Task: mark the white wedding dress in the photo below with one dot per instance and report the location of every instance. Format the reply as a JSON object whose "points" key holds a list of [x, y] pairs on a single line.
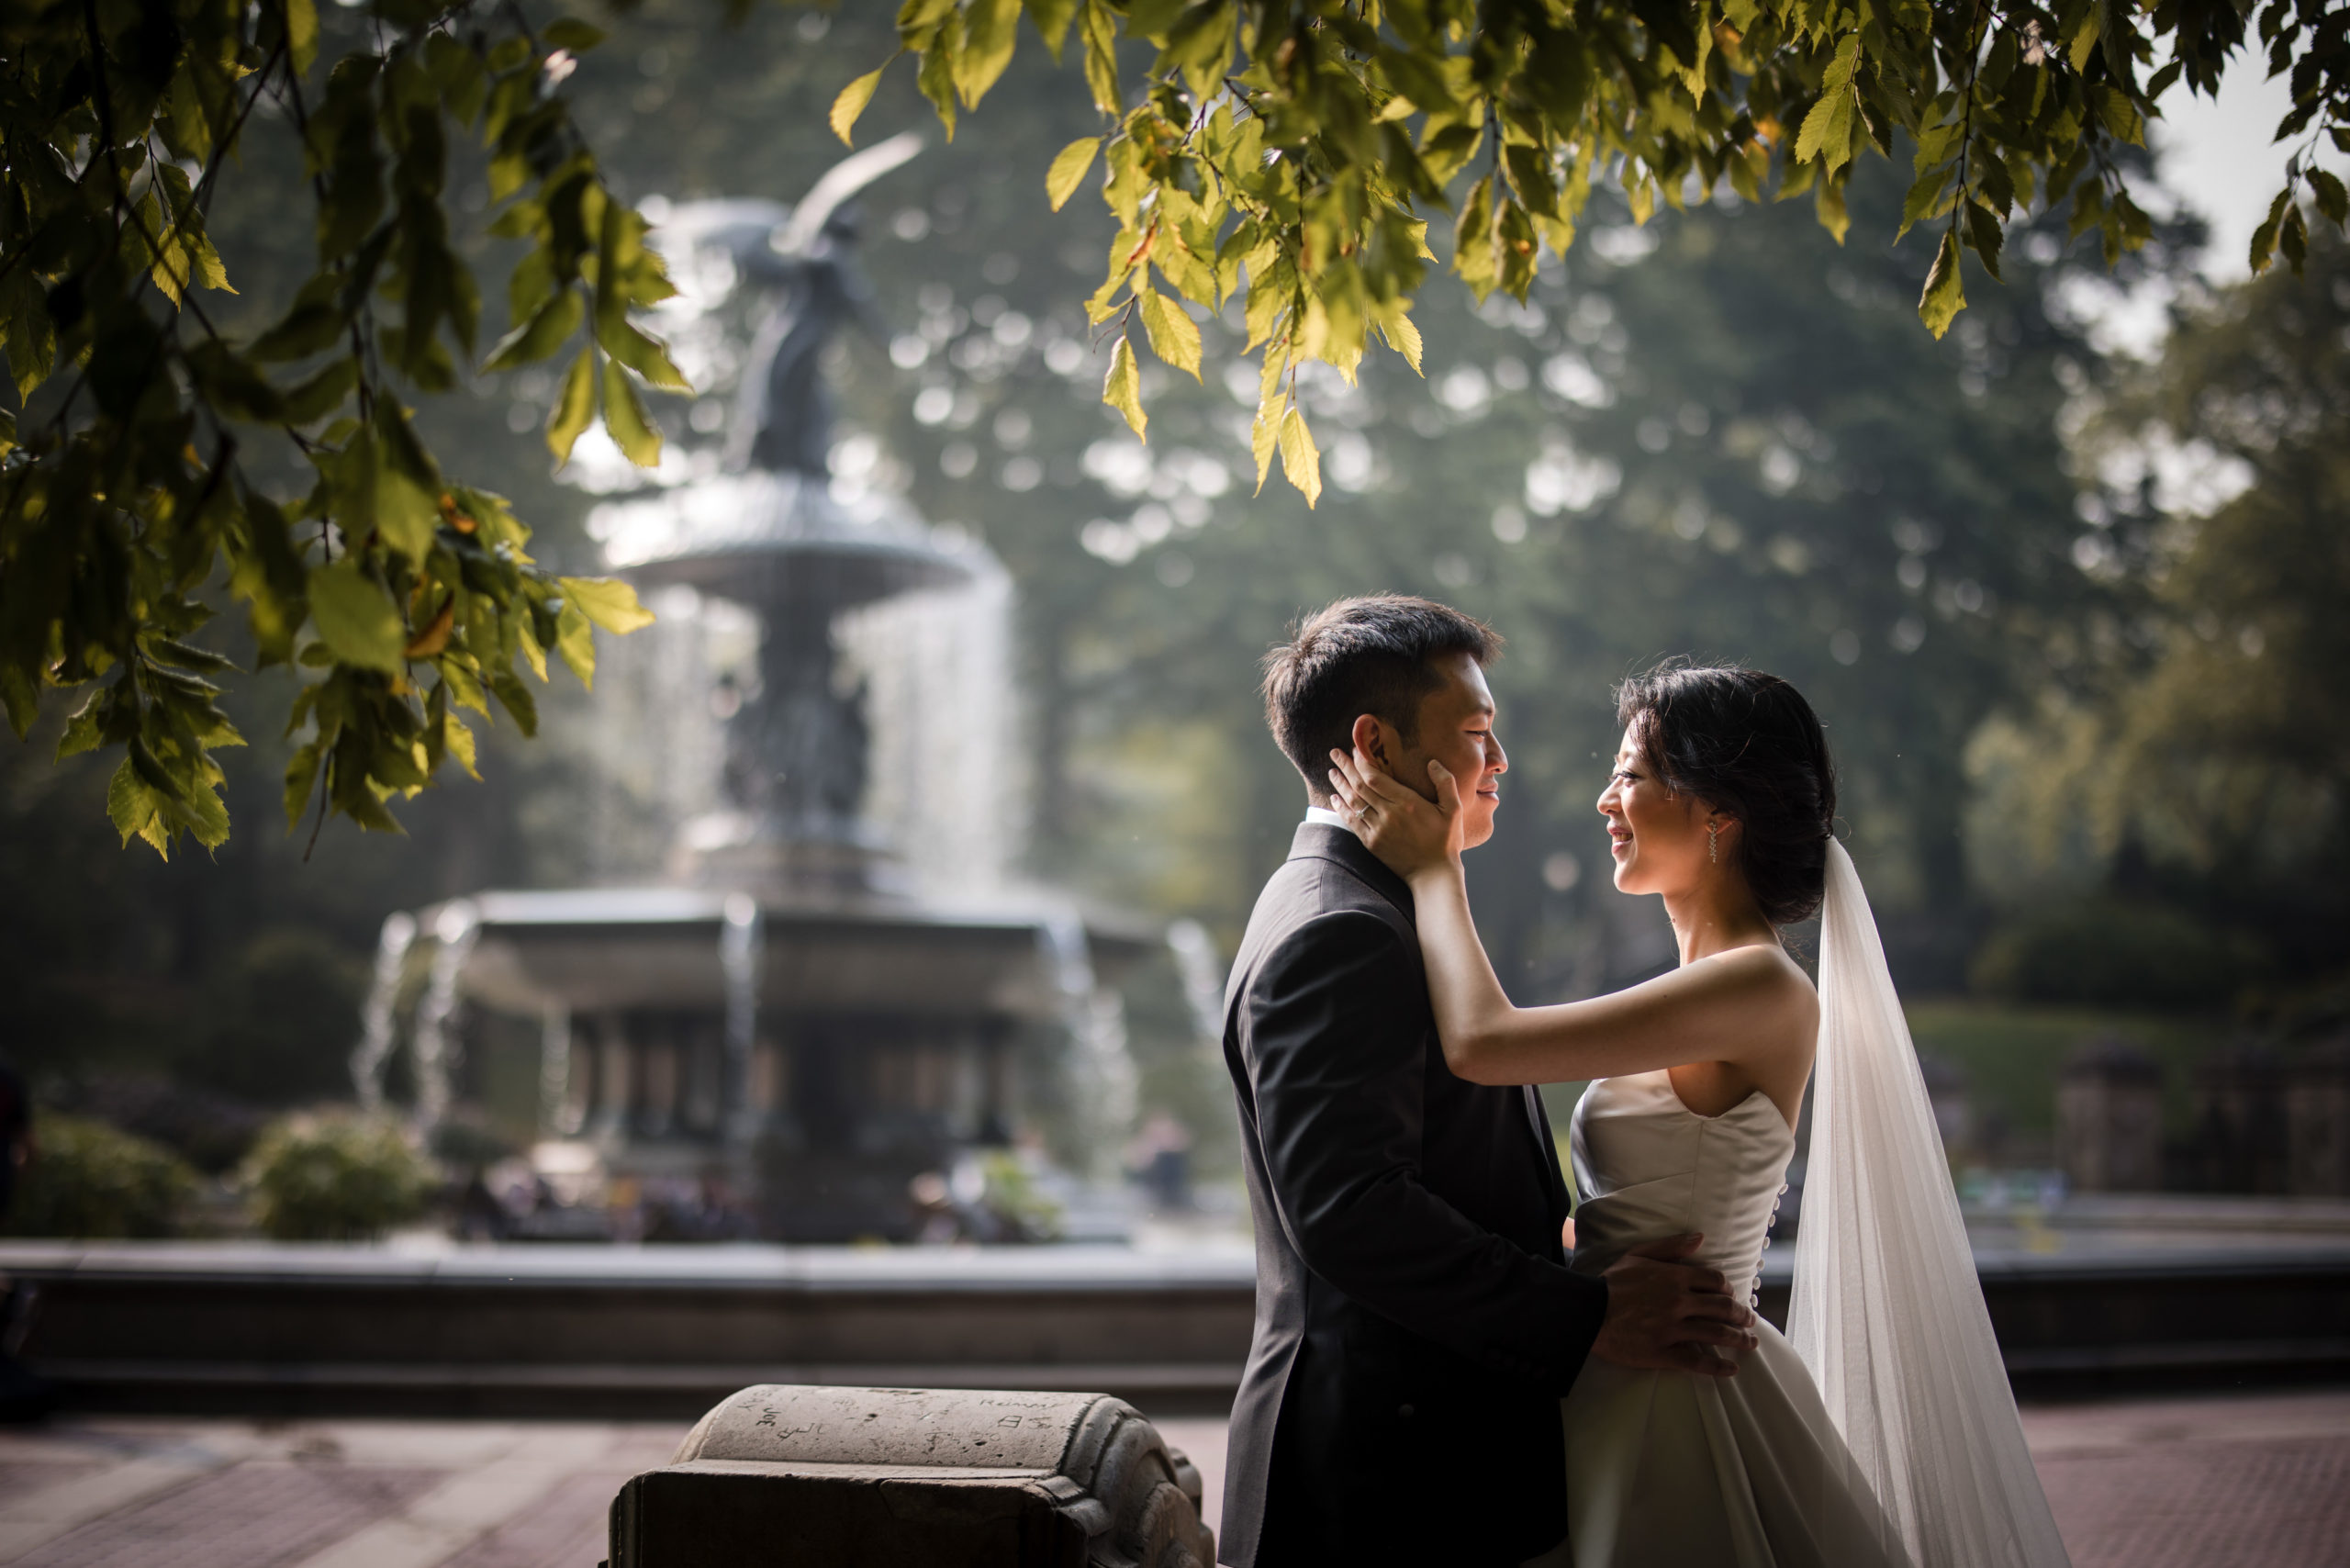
{"points": [[1879, 1431], [1666, 1469]]}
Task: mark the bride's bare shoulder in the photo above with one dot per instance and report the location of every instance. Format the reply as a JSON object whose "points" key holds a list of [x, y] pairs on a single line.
{"points": [[1765, 972]]}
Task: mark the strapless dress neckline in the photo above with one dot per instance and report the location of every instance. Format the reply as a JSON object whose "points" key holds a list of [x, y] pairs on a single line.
{"points": [[1648, 1167]]}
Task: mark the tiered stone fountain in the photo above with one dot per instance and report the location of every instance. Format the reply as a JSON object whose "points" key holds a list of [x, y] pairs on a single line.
{"points": [[786, 1014]]}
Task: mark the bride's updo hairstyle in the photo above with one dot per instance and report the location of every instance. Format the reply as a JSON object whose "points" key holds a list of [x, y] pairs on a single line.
{"points": [[1750, 746]]}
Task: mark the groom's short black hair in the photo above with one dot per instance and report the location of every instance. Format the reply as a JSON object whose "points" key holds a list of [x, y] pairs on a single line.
{"points": [[1373, 655]]}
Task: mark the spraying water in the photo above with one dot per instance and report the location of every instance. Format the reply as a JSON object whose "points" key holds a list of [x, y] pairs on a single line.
{"points": [[1102, 1069], [1202, 974], [945, 784], [378, 1020], [457, 927]]}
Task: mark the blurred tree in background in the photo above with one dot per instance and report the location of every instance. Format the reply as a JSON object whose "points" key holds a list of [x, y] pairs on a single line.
{"points": [[2202, 755]]}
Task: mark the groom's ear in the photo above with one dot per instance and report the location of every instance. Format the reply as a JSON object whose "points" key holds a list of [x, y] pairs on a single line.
{"points": [[1370, 738]]}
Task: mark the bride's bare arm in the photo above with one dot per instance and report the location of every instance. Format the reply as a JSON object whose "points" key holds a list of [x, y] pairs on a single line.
{"points": [[1740, 1006], [1732, 1007]]}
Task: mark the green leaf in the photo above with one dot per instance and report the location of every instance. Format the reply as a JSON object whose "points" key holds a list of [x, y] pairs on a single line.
{"points": [[2263, 239], [1925, 199], [1403, 334], [1069, 167], [132, 804], [1300, 461], [1984, 234], [1944, 298], [852, 101], [574, 406], [406, 501], [1828, 204], [541, 335], [2332, 200], [19, 696], [84, 731], [644, 354], [1099, 30], [322, 394], [301, 781], [1051, 19], [624, 417], [514, 697], [357, 618], [934, 79], [2293, 239], [990, 29], [457, 737], [607, 601], [302, 33], [1174, 336], [575, 641], [1122, 388], [1826, 131]]}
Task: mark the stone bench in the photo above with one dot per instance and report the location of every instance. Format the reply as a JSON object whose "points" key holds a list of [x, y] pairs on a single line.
{"points": [[940, 1478]]}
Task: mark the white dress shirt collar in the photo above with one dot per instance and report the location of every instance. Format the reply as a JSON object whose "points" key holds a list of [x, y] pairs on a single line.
{"points": [[1327, 818]]}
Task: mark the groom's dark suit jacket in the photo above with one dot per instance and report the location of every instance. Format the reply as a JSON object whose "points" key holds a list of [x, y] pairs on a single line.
{"points": [[1415, 1319]]}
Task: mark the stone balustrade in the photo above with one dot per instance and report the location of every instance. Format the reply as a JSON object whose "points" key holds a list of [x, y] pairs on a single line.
{"points": [[923, 1478]]}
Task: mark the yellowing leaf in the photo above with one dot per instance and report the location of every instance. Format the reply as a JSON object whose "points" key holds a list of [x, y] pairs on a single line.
{"points": [[302, 33], [608, 601], [1944, 298], [852, 101], [575, 639], [1403, 334], [574, 406], [1051, 19], [1827, 128], [1263, 435], [1174, 336], [1069, 167], [1122, 388], [356, 618], [1300, 461], [624, 417], [135, 808], [458, 737], [990, 27], [1099, 31]]}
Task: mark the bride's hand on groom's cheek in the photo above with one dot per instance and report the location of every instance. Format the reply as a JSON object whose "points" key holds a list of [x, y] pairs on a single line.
{"points": [[1400, 827]]}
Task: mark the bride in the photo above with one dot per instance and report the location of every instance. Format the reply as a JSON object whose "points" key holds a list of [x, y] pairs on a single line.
{"points": [[1879, 1430]]}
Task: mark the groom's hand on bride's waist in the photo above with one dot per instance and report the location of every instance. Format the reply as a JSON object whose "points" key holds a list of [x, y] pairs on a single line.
{"points": [[1665, 1313]]}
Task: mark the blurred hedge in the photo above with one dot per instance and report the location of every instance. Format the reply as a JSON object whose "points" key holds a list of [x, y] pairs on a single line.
{"points": [[334, 1179], [2109, 953], [92, 1182]]}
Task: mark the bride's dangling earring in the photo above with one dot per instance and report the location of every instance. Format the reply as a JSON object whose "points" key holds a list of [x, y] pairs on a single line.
{"points": [[1713, 843]]}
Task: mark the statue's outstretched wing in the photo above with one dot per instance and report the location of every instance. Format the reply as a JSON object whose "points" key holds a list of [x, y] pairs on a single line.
{"points": [[839, 182]]}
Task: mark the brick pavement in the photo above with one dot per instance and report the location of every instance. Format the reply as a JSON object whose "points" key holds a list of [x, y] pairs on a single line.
{"points": [[2228, 1481]]}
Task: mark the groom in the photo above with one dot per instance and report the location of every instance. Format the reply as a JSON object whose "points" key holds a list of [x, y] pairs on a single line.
{"points": [[1417, 1322]]}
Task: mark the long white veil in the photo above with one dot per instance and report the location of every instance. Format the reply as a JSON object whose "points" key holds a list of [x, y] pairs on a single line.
{"points": [[1886, 1311]]}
